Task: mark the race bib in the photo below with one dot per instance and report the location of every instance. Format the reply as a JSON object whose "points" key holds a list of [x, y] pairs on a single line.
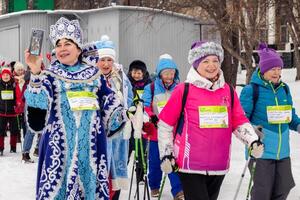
{"points": [[213, 117], [161, 105], [279, 114], [7, 94], [82, 100]]}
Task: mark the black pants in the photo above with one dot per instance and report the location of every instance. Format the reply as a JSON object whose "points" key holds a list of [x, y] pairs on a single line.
{"points": [[201, 187], [13, 127], [273, 179]]}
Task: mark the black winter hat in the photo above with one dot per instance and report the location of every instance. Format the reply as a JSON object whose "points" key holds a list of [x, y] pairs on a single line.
{"points": [[138, 64]]}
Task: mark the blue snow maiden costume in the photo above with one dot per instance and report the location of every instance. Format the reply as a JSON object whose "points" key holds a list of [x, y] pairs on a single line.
{"points": [[81, 112]]}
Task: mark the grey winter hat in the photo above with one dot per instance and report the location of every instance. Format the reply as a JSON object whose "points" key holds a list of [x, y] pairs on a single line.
{"points": [[202, 49]]}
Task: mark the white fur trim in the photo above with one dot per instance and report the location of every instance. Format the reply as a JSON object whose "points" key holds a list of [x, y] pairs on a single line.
{"points": [[196, 79]]}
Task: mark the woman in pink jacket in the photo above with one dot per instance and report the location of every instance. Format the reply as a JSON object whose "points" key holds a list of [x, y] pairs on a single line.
{"points": [[211, 114]]}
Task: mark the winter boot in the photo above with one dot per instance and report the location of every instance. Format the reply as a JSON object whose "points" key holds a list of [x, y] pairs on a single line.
{"points": [[1, 152], [13, 143], [179, 196], [26, 158], [1, 142], [13, 149], [36, 152]]}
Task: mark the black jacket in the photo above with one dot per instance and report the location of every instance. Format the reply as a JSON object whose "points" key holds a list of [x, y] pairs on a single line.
{"points": [[7, 107]]}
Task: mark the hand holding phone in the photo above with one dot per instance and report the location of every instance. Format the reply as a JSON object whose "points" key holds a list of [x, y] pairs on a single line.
{"points": [[36, 41]]}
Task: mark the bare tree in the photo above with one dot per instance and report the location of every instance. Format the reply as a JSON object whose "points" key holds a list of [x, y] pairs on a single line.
{"points": [[235, 20], [292, 9]]}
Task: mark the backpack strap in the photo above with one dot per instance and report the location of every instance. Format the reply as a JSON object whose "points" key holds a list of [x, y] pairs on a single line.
{"points": [[254, 97], [152, 90], [181, 118], [231, 95]]}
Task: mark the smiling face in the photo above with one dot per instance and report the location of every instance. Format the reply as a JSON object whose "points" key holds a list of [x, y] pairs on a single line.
{"points": [[105, 64], [19, 71], [209, 67], [167, 76], [5, 77], [273, 74], [137, 74], [67, 52]]}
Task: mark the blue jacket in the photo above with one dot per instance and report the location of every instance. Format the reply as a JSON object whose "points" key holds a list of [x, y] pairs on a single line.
{"points": [[276, 136]]}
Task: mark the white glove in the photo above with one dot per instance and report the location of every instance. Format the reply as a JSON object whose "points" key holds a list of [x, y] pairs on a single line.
{"points": [[168, 164], [256, 149], [137, 121]]}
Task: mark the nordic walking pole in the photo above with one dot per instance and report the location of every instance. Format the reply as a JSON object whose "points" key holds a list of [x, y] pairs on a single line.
{"points": [[241, 179], [251, 179], [146, 188], [252, 170], [131, 180], [162, 186]]}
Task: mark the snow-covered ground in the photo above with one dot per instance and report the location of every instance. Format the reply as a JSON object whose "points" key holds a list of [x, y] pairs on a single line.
{"points": [[17, 180]]}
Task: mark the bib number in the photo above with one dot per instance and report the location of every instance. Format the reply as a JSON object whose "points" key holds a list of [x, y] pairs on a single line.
{"points": [[213, 117], [82, 100]]}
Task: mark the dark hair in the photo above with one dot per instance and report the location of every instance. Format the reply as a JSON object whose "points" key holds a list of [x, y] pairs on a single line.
{"points": [[70, 40]]}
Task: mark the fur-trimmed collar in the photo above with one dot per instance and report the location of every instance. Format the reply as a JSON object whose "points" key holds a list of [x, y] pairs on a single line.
{"points": [[196, 79]]}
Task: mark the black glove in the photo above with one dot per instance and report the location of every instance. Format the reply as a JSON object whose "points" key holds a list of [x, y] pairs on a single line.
{"points": [[154, 119], [256, 149]]}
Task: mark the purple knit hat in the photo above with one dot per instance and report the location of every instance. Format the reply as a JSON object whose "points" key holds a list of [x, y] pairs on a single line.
{"points": [[268, 58], [201, 49]]}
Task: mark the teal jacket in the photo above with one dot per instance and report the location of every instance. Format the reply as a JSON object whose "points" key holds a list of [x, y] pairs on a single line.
{"points": [[276, 136]]}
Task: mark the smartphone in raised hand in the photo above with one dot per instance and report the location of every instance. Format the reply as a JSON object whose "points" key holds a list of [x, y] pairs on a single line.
{"points": [[36, 41]]}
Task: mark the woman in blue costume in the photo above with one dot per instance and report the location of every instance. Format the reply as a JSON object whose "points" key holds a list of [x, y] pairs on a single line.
{"points": [[81, 112]]}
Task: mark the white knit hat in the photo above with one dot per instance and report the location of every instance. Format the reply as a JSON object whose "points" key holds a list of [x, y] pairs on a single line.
{"points": [[18, 65]]}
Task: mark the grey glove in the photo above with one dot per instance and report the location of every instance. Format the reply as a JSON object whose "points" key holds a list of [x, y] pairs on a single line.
{"points": [[168, 164]]}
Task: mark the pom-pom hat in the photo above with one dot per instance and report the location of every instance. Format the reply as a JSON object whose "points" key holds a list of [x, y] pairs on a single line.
{"points": [[106, 48], [201, 49], [268, 58]]}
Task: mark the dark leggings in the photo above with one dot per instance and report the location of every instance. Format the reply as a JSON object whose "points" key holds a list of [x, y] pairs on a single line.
{"points": [[201, 187]]}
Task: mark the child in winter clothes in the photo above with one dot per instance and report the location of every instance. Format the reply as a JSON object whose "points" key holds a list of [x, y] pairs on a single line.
{"points": [[273, 110], [202, 149], [8, 113], [139, 78], [117, 147], [154, 101]]}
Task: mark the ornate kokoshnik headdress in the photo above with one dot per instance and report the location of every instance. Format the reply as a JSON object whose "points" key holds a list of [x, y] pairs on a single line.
{"points": [[65, 28]]}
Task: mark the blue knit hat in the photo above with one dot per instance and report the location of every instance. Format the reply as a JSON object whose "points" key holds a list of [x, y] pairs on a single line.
{"points": [[165, 62], [268, 58]]}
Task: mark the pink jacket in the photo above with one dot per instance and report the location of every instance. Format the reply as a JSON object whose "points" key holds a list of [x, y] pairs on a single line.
{"points": [[203, 150]]}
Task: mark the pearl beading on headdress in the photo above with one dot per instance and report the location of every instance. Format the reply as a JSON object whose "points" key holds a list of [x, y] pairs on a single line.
{"points": [[65, 28]]}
